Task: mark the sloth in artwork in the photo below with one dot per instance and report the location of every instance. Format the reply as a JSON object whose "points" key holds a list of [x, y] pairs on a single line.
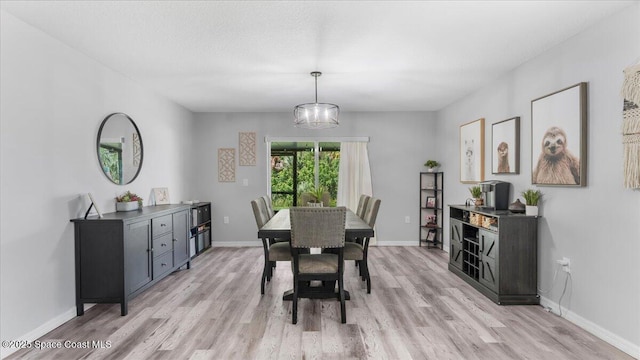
{"points": [[503, 158], [556, 165]]}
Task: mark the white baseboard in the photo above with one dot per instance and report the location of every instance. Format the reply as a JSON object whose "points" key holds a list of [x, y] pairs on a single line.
{"points": [[259, 243], [604, 334], [236, 243], [397, 243], [44, 329]]}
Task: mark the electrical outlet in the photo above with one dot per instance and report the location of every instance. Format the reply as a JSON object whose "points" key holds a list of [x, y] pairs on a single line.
{"points": [[407, 219], [565, 262], [225, 220]]}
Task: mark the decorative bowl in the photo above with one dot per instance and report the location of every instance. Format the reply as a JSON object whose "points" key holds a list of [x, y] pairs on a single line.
{"points": [[127, 206]]}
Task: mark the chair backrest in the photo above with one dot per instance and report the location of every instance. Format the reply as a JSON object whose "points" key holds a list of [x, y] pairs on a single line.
{"points": [[318, 227], [260, 212], [371, 213], [362, 205], [304, 199], [326, 199], [269, 204]]}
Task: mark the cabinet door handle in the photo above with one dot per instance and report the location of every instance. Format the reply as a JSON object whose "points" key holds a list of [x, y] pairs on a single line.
{"points": [[175, 239], [163, 244], [163, 225], [163, 264]]}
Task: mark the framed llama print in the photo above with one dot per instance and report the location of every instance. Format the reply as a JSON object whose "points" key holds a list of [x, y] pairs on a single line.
{"points": [[559, 137], [472, 152], [505, 146]]}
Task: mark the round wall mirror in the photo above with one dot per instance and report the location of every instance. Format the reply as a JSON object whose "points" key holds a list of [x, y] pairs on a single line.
{"points": [[119, 148]]}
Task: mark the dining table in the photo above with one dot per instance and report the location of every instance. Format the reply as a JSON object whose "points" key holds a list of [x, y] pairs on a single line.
{"points": [[279, 226]]}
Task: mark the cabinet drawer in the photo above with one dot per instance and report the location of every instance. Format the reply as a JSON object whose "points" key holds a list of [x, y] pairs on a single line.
{"points": [[162, 264], [162, 244], [161, 225]]}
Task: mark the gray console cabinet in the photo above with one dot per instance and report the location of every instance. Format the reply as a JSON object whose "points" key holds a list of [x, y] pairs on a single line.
{"points": [[498, 257], [455, 243], [122, 254]]}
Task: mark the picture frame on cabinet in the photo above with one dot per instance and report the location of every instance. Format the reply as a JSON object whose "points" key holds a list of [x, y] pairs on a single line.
{"points": [[472, 152], [431, 202], [161, 196], [559, 137], [94, 205], [505, 146]]}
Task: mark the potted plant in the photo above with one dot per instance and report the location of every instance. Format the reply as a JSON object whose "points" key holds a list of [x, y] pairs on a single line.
{"points": [[432, 165], [476, 194], [531, 198], [129, 201], [317, 193]]}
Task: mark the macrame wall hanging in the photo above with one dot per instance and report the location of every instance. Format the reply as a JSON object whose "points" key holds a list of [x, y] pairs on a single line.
{"points": [[631, 126]]}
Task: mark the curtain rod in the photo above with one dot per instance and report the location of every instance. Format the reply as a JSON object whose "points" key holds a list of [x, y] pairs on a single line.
{"points": [[314, 138]]}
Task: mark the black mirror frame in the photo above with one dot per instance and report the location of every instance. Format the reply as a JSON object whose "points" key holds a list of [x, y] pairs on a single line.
{"points": [[98, 146]]}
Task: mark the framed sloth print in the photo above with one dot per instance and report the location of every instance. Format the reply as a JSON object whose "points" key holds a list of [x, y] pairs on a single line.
{"points": [[559, 138]]}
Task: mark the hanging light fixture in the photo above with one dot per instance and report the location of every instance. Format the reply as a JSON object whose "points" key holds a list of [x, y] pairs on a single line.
{"points": [[316, 115]]}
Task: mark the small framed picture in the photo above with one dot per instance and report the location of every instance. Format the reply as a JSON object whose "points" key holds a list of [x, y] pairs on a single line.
{"points": [[161, 196], [95, 206], [431, 235], [505, 146], [431, 202]]}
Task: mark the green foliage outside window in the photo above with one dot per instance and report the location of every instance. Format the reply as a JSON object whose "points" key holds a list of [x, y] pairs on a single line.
{"points": [[282, 180], [110, 161]]}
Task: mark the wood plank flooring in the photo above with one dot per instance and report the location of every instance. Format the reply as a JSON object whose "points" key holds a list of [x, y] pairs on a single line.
{"points": [[417, 310]]}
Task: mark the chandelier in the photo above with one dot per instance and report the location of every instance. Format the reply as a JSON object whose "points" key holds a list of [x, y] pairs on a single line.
{"points": [[316, 115]]}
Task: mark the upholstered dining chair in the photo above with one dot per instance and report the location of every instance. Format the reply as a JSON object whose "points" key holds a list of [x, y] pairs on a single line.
{"points": [[269, 204], [317, 227], [358, 251], [362, 205], [273, 251]]}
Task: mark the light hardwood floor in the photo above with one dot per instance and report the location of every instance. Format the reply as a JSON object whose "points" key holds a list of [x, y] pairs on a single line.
{"points": [[417, 310]]}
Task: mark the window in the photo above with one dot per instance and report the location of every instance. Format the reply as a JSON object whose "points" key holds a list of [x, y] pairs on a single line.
{"points": [[299, 167]]}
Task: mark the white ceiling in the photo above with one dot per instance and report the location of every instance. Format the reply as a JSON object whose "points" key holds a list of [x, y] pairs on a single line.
{"points": [[237, 56]]}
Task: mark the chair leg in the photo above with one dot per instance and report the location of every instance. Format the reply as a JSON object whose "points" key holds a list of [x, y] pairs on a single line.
{"points": [[294, 305], [343, 310], [272, 265], [264, 278], [365, 267]]}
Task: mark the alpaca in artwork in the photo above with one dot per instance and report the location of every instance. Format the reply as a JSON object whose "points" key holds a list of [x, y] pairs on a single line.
{"points": [[556, 165], [469, 161], [503, 158]]}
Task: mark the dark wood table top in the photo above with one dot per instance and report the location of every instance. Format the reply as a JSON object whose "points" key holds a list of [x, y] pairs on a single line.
{"points": [[280, 227]]}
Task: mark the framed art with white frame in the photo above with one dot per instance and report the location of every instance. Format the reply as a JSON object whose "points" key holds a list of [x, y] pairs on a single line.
{"points": [[472, 152], [161, 196], [559, 137], [505, 146], [94, 204]]}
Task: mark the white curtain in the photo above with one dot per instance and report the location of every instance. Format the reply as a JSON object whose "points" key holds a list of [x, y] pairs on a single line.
{"points": [[354, 177]]}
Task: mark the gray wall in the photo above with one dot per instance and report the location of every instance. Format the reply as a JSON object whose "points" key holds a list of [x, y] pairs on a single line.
{"points": [[597, 226], [53, 101], [400, 142]]}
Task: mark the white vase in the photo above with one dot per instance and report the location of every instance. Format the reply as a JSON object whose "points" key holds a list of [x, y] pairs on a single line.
{"points": [[126, 206], [531, 210], [432, 169]]}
